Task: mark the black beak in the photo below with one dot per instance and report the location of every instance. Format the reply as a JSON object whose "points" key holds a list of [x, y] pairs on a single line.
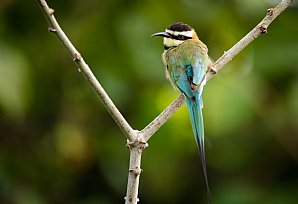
{"points": [[162, 34]]}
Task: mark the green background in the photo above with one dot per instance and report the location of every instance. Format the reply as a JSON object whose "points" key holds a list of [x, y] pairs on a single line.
{"points": [[58, 144]]}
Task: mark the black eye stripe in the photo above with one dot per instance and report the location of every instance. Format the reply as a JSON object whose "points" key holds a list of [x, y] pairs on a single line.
{"points": [[179, 37]]}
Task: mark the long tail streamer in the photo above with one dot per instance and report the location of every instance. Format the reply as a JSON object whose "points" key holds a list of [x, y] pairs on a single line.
{"points": [[195, 110]]}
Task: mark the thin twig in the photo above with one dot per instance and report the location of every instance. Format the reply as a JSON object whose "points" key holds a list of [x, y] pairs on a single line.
{"points": [[84, 68], [151, 128], [261, 28]]}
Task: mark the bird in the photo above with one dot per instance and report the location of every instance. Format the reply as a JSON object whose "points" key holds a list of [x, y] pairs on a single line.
{"points": [[186, 61]]}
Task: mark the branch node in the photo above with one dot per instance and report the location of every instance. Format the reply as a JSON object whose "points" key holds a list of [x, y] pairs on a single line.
{"points": [[51, 11], [78, 57], [130, 144], [136, 171], [52, 30], [130, 200], [263, 28], [212, 70], [270, 11], [137, 143]]}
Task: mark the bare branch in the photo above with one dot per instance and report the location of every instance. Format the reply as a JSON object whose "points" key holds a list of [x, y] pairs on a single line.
{"points": [[136, 149], [261, 28], [79, 61], [150, 129]]}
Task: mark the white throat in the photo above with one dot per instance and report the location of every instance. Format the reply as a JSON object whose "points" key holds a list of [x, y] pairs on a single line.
{"points": [[168, 42]]}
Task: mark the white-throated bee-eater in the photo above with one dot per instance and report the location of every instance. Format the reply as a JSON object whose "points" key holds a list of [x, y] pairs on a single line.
{"points": [[186, 60]]}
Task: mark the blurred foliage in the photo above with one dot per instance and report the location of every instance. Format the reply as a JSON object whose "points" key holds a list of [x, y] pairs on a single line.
{"points": [[58, 144]]}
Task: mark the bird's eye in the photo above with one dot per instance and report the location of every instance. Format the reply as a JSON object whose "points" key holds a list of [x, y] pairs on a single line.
{"points": [[181, 37]]}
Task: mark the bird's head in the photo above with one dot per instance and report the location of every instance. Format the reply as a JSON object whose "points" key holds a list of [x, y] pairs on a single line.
{"points": [[176, 34]]}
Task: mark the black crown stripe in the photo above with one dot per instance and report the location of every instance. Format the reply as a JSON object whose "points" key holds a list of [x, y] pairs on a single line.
{"points": [[179, 26]]}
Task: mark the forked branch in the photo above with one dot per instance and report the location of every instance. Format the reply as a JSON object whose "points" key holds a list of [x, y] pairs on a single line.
{"points": [[137, 140]]}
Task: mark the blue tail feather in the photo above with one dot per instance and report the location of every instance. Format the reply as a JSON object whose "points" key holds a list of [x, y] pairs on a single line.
{"points": [[195, 106]]}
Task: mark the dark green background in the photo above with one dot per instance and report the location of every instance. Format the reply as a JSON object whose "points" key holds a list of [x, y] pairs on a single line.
{"points": [[58, 144]]}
